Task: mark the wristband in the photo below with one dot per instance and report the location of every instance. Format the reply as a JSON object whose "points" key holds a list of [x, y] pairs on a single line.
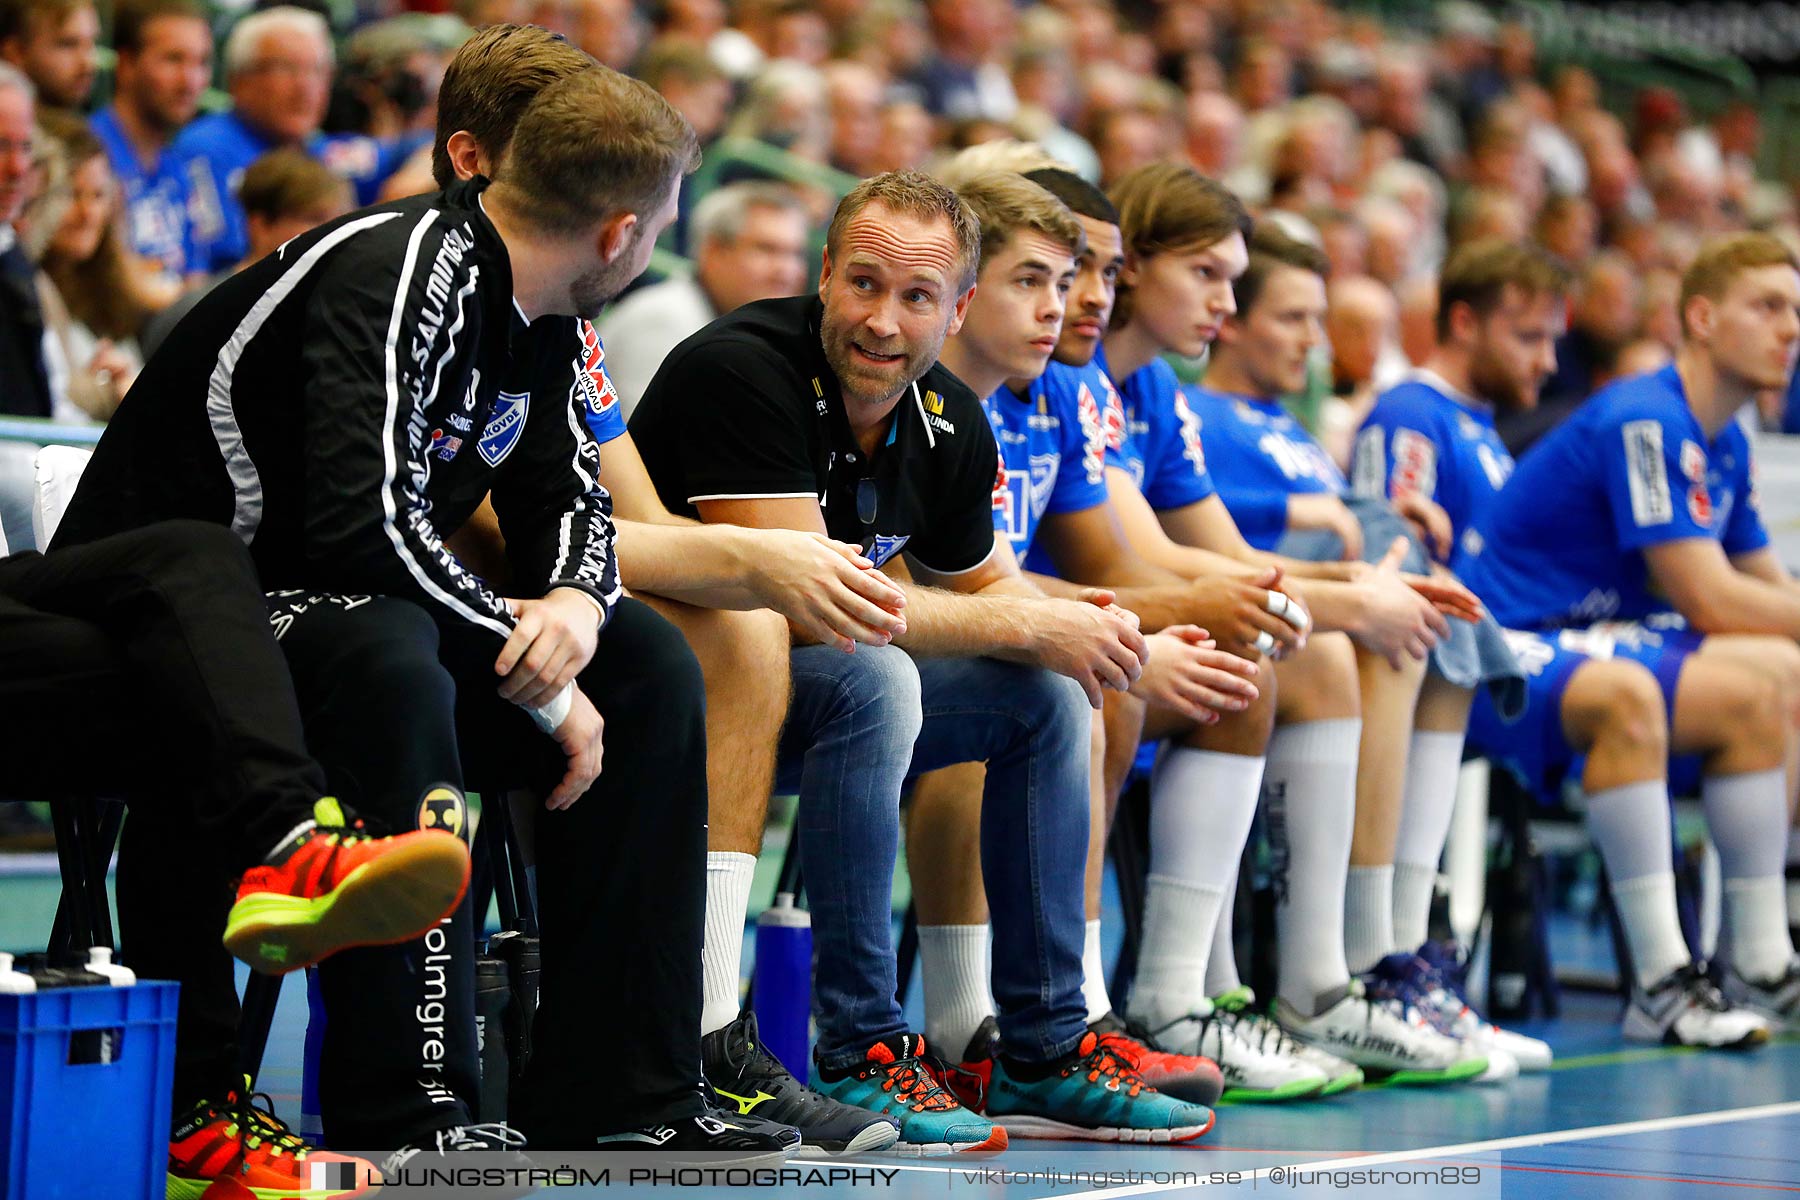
{"points": [[549, 717], [1284, 606], [1264, 643]]}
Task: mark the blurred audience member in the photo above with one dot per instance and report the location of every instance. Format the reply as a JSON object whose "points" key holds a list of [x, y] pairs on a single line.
{"points": [[750, 244], [278, 70], [965, 78], [53, 42], [1603, 319], [27, 382], [284, 194], [98, 293]]}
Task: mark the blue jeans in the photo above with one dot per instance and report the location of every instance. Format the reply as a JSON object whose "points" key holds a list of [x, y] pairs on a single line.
{"points": [[861, 724]]}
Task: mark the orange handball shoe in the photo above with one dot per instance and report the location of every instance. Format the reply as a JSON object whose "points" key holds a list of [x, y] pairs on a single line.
{"points": [[331, 886], [216, 1146]]}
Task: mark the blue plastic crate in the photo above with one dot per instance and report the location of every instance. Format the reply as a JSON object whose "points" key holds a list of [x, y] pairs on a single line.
{"points": [[85, 1078]]}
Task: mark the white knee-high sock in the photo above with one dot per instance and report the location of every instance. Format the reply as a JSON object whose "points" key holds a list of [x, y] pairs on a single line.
{"points": [[1368, 916], [953, 961], [1432, 765], [1093, 975], [1221, 964], [1747, 817], [728, 877], [1310, 789], [1201, 806], [1630, 826]]}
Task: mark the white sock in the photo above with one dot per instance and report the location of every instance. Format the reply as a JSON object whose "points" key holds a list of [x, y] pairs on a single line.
{"points": [[1093, 975], [1793, 887], [1433, 763], [1221, 964], [1368, 917], [953, 961], [1201, 806], [1747, 818], [1309, 786], [1760, 945], [728, 877], [1630, 826]]}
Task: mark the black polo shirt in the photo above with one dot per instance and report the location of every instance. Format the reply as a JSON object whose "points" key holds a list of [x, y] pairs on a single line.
{"points": [[748, 408]]}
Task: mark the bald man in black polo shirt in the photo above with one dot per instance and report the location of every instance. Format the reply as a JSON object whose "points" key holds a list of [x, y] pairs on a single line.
{"points": [[830, 414]]}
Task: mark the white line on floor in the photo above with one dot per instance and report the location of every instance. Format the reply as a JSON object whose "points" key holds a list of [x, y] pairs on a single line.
{"points": [[1550, 1138]]}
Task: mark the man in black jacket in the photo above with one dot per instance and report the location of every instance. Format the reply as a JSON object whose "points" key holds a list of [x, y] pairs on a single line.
{"points": [[341, 404]]}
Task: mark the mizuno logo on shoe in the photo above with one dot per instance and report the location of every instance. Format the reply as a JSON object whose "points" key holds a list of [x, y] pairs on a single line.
{"points": [[745, 1103]]}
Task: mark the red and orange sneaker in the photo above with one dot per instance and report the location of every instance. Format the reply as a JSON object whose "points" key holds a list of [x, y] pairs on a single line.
{"points": [[240, 1141], [330, 886], [1191, 1077], [968, 1078]]}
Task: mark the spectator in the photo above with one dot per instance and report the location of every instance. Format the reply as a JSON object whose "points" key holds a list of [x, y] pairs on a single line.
{"points": [[696, 85], [1604, 318], [1569, 228], [750, 244], [964, 78], [26, 391], [905, 137], [99, 294], [856, 91], [610, 30], [53, 43], [1361, 324], [284, 194], [165, 54], [278, 69], [1215, 134]]}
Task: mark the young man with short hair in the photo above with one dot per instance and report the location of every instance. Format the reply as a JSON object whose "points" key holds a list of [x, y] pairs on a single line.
{"points": [[1633, 531], [334, 404], [164, 63]]}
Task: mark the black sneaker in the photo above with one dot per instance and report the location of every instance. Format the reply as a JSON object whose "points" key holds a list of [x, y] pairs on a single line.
{"points": [[745, 1076], [417, 1171], [716, 1138]]}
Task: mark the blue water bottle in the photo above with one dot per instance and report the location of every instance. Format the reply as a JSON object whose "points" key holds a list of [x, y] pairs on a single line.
{"points": [[784, 957], [312, 1127]]}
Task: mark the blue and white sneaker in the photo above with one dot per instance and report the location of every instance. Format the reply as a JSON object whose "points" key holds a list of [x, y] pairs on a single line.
{"points": [[1092, 1095], [1445, 989]]}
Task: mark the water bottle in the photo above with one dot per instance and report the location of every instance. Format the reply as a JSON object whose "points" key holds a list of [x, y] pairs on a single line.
{"points": [[784, 957], [14, 983], [312, 1125], [493, 1009], [100, 963]]}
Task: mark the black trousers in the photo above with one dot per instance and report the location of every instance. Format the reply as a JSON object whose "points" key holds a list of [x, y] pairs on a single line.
{"points": [[140, 666], [393, 704]]}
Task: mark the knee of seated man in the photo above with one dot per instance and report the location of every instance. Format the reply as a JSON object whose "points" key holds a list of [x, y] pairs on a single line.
{"points": [[213, 550], [739, 648], [1052, 705], [880, 678], [1622, 703], [391, 647]]}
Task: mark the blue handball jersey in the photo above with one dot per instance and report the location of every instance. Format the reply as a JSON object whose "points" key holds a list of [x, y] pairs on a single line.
{"points": [[1154, 436], [1563, 544], [1423, 437], [1053, 450], [1260, 456], [155, 198]]}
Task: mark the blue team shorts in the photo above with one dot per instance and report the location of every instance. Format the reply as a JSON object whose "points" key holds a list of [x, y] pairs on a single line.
{"points": [[1532, 746]]}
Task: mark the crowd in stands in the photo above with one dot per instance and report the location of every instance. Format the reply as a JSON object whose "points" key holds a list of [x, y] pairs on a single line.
{"points": [[1266, 296]]}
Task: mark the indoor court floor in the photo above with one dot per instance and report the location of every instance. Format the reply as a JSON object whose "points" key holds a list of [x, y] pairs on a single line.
{"points": [[1610, 1119]]}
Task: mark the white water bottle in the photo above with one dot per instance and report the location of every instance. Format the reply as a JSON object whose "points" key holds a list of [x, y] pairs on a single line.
{"points": [[14, 983], [100, 963]]}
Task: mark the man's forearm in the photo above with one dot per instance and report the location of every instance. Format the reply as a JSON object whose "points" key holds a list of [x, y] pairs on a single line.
{"points": [[704, 565], [1336, 607], [995, 622], [1747, 605]]}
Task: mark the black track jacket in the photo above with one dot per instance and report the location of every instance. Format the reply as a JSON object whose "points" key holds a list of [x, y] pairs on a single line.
{"points": [[352, 396]]}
